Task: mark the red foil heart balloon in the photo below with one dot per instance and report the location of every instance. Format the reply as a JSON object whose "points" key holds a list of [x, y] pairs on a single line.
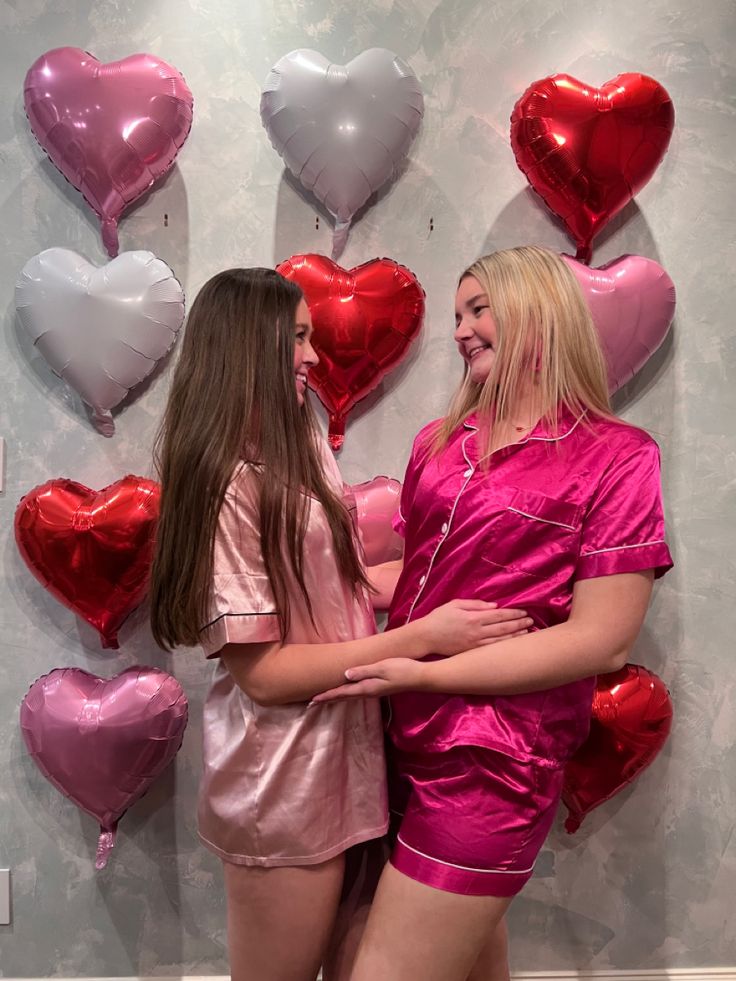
{"points": [[588, 151], [91, 549], [364, 321], [102, 743], [632, 717], [111, 129]]}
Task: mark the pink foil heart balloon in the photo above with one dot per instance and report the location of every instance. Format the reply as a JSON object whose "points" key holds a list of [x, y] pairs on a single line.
{"points": [[632, 301], [376, 502], [111, 129], [103, 743]]}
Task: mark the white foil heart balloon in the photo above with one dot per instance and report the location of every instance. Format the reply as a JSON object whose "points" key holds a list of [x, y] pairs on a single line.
{"points": [[342, 130], [104, 329]]}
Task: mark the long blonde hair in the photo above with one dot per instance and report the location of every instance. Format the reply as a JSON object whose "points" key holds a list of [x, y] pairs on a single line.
{"points": [[543, 326]]}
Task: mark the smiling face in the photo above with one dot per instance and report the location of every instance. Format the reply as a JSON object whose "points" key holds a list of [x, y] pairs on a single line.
{"points": [[476, 335], [305, 357]]}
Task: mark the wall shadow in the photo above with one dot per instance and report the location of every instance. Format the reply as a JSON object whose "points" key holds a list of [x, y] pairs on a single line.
{"points": [[302, 222]]}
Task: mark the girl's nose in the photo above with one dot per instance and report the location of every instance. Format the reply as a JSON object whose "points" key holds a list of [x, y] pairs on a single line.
{"points": [[462, 331], [310, 355]]}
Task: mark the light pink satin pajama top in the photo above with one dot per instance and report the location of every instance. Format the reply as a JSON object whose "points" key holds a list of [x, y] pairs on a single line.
{"points": [[285, 785]]}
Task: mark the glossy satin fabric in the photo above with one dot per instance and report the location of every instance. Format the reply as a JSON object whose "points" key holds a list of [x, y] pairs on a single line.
{"points": [[557, 507], [473, 820], [285, 785]]}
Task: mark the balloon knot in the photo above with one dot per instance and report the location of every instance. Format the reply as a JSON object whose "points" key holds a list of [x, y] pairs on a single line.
{"points": [[336, 432], [339, 238], [105, 844], [572, 824], [110, 236], [103, 422]]}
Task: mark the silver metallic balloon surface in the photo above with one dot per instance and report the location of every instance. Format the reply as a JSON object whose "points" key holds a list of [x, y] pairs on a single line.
{"points": [[342, 130], [102, 330]]}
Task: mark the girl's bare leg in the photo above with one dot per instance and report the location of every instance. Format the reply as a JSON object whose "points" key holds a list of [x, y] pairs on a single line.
{"points": [[363, 866], [279, 920], [415, 931], [493, 963]]}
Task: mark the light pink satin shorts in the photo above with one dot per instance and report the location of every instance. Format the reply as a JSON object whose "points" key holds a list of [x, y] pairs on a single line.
{"points": [[472, 820]]}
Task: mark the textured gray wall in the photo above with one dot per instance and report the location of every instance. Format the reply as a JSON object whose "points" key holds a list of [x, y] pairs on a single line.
{"points": [[648, 881]]}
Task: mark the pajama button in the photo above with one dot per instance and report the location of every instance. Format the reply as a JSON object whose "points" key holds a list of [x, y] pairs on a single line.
{"points": [[422, 580], [444, 528], [468, 473]]}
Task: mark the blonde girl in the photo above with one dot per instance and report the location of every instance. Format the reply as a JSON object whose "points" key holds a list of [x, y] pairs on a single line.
{"points": [[532, 493]]}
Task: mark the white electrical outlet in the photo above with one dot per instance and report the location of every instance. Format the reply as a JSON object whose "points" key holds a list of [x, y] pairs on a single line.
{"points": [[4, 895]]}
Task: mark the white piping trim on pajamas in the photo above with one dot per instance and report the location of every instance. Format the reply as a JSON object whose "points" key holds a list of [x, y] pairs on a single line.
{"points": [[661, 974], [423, 580], [536, 517], [542, 439], [464, 868], [618, 548], [556, 439]]}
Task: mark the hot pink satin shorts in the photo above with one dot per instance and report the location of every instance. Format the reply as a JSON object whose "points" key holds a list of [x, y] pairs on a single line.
{"points": [[472, 820]]}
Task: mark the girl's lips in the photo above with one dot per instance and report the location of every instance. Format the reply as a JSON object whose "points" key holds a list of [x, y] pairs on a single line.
{"points": [[477, 350]]}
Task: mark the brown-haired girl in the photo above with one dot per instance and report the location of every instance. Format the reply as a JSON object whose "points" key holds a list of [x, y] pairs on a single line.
{"points": [[256, 560], [530, 492]]}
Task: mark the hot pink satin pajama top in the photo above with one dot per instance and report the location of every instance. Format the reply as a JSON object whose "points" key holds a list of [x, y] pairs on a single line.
{"points": [[290, 784], [550, 510]]}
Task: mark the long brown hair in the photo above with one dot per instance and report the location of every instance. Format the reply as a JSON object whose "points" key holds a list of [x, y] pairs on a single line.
{"points": [[543, 325], [233, 398]]}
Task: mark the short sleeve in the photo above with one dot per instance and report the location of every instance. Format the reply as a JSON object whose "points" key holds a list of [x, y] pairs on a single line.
{"points": [[419, 454], [623, 530], [242, 606]]}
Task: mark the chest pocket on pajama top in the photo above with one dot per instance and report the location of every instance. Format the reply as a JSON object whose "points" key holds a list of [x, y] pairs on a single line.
{"points": [[533, 533]]}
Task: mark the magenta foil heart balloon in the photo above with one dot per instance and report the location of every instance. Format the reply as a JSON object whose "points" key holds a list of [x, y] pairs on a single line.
{"points": [[111, 129], [103, 743], [632, 301]]}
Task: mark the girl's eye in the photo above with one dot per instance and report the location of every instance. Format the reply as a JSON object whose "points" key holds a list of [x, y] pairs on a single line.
{"points": [[477, 310]]}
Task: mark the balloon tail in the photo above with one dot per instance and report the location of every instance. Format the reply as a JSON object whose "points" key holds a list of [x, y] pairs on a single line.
{"points": [[336, 432], [105, 844], [103, 421], [109, 641], [572, 824], [584, 254], [339, 238], [110, 236]]}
